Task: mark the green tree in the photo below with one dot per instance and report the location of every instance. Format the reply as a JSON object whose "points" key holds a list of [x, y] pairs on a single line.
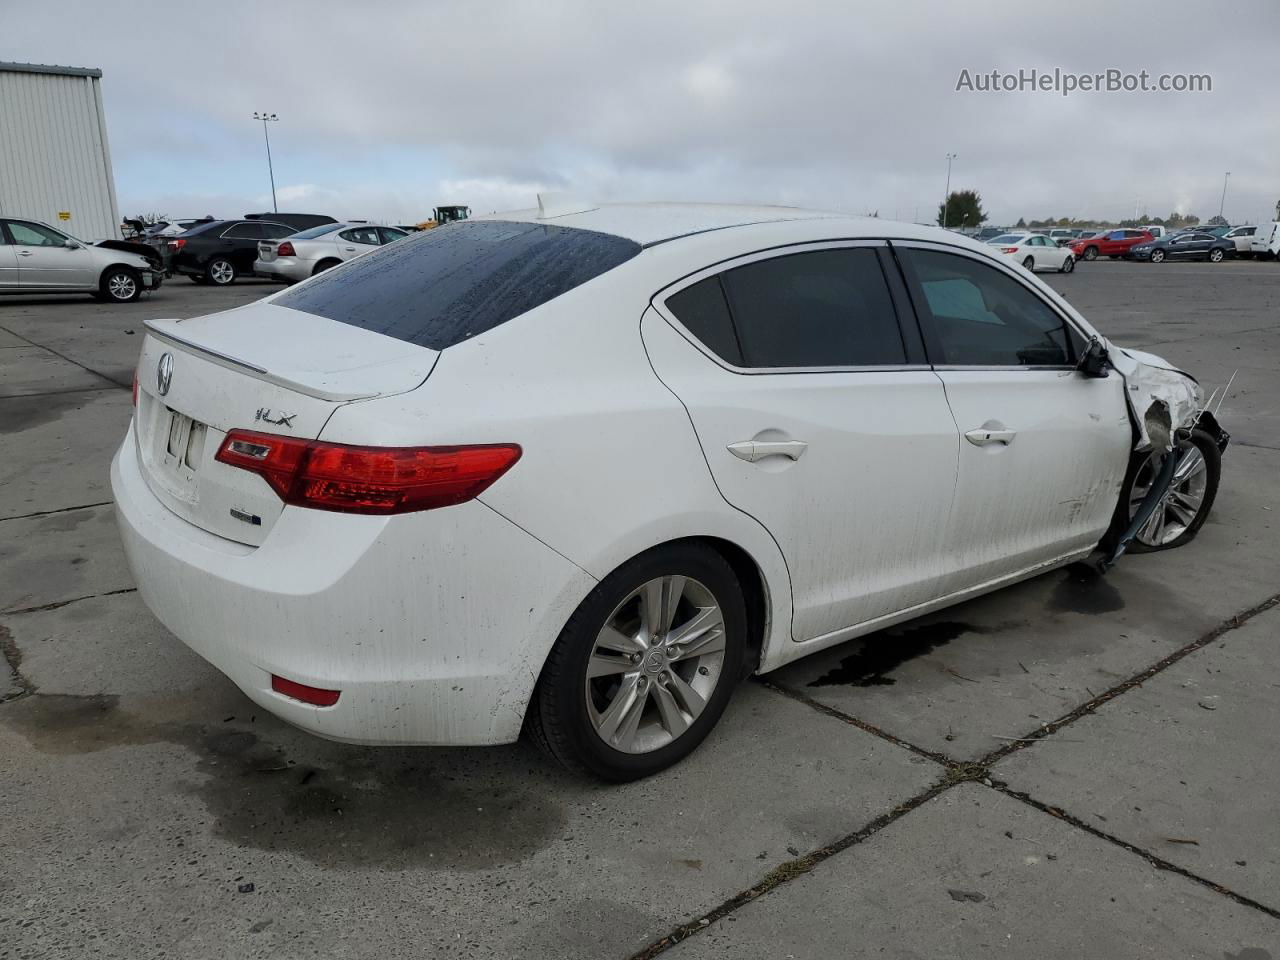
{"points": [[1021, 224], [962, 209]]}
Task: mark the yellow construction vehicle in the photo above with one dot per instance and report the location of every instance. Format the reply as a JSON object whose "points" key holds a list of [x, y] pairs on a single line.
{"points": [[442, 215]]}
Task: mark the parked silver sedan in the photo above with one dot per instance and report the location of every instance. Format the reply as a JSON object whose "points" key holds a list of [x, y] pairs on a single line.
{"points": [[313, 251]]}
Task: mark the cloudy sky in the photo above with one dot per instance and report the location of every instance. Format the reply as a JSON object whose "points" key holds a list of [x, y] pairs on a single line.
{"points": [[388, 108]]}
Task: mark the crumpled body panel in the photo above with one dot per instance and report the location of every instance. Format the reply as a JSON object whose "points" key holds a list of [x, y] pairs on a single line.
{"points": [[1161, 398]]}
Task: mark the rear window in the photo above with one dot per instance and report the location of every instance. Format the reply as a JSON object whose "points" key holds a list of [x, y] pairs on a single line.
{"points": [[317, 231], [443, 286]]}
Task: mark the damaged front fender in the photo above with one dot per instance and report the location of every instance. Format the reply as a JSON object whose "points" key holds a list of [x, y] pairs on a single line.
{"points": [[1162, 400]]}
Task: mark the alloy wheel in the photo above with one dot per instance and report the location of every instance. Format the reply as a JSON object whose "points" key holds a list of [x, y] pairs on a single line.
{"points": [[1215, 256], [1157, 256], [220, 271], [655, 664], [1181, 505], [122, 286]]}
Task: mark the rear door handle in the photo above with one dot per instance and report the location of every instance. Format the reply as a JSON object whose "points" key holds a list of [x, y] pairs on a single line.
{"points": [[987, 435], [753, 450]]}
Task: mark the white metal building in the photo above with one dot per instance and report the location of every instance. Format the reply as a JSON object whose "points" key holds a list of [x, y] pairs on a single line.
{"points": [[55, 164]]}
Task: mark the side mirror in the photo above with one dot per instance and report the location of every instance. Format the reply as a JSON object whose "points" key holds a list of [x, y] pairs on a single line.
{"points": [[70, 244], [1094, 362]]}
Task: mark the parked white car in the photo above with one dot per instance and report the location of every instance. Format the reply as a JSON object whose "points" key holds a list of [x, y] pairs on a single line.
{"points": [[38, 258], [1035, 251], [579, 470], [313, 251], [1265, 242], [1242, 236]]}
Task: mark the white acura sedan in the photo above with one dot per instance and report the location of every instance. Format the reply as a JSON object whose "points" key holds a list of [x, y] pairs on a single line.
{"points": [[1035, 251], [578, 471]]}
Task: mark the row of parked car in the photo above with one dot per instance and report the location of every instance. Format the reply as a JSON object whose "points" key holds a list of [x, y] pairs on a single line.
{"points": [[1038, 251]]}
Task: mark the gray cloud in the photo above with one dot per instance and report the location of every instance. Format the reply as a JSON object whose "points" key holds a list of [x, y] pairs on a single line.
{"points": [[821, 104]]}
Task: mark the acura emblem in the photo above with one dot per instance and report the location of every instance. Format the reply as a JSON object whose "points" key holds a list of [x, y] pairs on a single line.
{"points": [[164, 373]]}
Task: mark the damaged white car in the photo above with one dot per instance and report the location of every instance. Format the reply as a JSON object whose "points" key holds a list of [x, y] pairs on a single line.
{"points": [[578, 470]]}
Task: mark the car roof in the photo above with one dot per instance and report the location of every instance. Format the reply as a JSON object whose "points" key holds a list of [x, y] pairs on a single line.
{"points": [[650, 224]]}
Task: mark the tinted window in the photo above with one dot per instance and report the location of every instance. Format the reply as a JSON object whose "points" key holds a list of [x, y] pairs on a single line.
{"points": [[244, 231], [34, 235], [316, 231], [275, 231], [704, 311], [211, 226], [442, 286], [983, 317], [390, 234], [829, 308], [367, 235]]}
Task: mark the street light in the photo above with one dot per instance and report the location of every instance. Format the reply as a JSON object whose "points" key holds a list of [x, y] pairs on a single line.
{"points": [[268, 118], [1223, 202], [946, 194]]}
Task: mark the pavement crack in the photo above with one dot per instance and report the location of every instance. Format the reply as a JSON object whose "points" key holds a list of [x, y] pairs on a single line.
{"points": [[62, 356], [45, 513], [1156, 861], [853, 721], [790, 870], [62, 603], [13, 659], [1090, 706]]}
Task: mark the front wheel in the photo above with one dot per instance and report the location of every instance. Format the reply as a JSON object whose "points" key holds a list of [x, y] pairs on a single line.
{"points": [[120, 285], [1068, 265], [1091, 253], [1185, 508], [644, 667], [1157, 256]]}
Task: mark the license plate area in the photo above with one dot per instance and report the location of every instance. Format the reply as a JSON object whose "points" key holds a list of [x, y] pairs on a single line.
{"points": [[181, 452]]}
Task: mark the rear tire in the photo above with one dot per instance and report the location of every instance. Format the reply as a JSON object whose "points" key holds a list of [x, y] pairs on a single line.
{"points": [[1216, 256], [324, 265], [120, 285], [621, 699], [220, 272], [1091, 253], [1029, 263]]}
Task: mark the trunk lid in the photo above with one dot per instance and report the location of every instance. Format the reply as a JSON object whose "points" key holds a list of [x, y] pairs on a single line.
{"points": [[259, 367], [267, 250]]}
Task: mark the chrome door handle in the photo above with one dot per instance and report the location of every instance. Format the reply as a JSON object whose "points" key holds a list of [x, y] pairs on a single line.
{"points": [[24, 253], [348, 248], [753, 450], [983, 436]]}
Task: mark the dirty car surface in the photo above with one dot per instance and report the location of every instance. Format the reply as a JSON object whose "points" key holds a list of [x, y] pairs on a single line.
{"points": [[575, 471]]}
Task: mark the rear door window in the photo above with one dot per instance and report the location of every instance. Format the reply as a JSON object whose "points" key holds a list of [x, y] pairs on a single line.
{"points": [[826, 308], [443, 286], [244, 231], [367, 235], [704, 312]]}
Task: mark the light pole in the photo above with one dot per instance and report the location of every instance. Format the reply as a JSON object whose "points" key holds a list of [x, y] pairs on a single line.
{"points": [[268, 118], [946, 194], [1223, 202]]}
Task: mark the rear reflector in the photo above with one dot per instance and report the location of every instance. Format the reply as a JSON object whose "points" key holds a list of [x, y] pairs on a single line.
{"points": [[300, 691], [378, 480]]}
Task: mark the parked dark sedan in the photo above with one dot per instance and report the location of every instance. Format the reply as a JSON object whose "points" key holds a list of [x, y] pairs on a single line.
{"points": [[220, 251], [1185, 246]]}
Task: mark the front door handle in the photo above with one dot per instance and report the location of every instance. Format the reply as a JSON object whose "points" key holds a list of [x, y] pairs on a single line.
{"points": [[753, 450], [986, 435], [24, 253]]}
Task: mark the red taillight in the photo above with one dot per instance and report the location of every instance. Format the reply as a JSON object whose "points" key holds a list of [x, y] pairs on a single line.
{"points": [[177, 244], [286, 250], [382, 480], [300, 691], [1008, 249]]}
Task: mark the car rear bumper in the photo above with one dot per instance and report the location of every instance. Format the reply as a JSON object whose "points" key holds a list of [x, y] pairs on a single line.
{"points": [[434, 626], [284, 269]]}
